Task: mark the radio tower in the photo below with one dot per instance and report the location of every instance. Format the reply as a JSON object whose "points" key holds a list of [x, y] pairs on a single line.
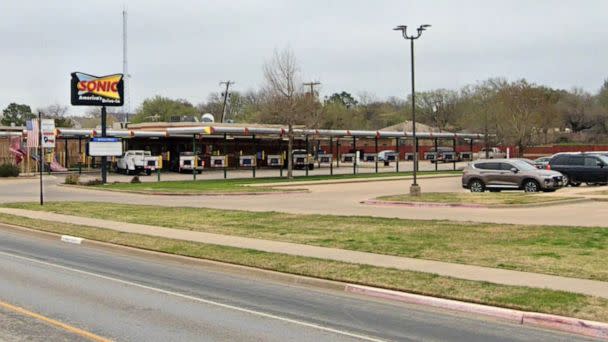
{"points": [[125, 71]]}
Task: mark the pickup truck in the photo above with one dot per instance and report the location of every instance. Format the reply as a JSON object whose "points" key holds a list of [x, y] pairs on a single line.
{"points": [[493, 153], [137, 161]]}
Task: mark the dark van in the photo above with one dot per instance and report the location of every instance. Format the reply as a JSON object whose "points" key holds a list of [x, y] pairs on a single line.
{"points": [[580, 167]]}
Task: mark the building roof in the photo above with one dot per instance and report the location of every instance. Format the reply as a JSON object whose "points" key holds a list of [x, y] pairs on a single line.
{"points": [[165, 125], [408, 126]]}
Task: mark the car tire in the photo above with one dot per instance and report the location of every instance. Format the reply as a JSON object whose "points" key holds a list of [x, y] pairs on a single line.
{"points": [[565, 180], [531, 186], [477, 185]]}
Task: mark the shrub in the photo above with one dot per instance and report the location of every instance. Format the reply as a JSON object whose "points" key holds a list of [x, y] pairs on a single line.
{"points": [[9, 170], [72, 179], [135, 180]]}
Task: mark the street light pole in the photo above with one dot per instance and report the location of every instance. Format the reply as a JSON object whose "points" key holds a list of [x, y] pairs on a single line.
{"points": [[414, 188]]}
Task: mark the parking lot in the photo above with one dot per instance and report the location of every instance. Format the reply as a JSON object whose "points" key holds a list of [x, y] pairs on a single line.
{"points": [[337, 199]]}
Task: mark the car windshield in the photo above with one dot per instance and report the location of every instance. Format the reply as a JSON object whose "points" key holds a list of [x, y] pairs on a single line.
{"points": [[604, 159], [523, 166]]}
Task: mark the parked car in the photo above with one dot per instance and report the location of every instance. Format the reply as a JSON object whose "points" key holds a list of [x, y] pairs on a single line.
{"points": [[541, 163], [137, 161], [387, 155], [509, 174], [493, 153], [581, 167], [601, 153]]}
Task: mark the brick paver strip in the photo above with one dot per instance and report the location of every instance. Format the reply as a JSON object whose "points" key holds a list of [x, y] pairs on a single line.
{"points": [[470, 272]]}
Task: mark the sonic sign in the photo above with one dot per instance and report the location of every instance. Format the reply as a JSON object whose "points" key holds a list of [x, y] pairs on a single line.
{"points": [[89, 90]]}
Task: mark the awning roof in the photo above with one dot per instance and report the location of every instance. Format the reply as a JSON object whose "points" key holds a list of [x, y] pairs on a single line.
{"points": [[247, 131]]}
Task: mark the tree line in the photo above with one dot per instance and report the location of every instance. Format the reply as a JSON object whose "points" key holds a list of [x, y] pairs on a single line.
{"points": [[518, 113]]}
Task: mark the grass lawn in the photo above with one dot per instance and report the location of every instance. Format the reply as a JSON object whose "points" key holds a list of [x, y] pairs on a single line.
{"points": [[579, 252], [516, 297], [487, 198], [239, 185]]}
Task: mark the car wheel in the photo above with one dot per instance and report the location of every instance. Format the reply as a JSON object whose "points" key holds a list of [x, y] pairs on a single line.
{"points": [[477, 186], [565, 180], [531, 186]]}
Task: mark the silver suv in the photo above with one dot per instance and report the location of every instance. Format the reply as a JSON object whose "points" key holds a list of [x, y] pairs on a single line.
{"points": [[509, 174]]}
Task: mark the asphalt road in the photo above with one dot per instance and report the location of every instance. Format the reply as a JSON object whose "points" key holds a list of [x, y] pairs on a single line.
{"points": [[123, 295]]}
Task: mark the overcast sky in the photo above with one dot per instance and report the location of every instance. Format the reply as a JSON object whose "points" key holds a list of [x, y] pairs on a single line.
{"points": [[182, 49]]}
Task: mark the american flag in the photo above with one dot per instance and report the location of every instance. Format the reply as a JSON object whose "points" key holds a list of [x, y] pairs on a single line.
{"points": [[32, 133]]}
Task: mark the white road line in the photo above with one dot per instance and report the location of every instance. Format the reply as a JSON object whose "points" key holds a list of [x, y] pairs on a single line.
{"points": [[200, 300]]}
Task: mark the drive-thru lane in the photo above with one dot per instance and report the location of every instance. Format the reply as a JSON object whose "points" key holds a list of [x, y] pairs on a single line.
{"points": [[124, 295], [334, 199]]}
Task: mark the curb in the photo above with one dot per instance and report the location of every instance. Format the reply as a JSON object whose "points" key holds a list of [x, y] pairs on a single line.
{"points": [[513, 316], [476, 206], [253, 193], [350, 181], [533, 319]]}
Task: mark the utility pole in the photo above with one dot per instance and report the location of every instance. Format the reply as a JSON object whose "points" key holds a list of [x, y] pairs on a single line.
{"points": [[125, 70], [225, 94], [414, 188], [312, 86]]}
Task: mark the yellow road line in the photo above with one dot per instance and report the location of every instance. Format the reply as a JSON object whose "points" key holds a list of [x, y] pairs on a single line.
{"points": [[50, 321]]}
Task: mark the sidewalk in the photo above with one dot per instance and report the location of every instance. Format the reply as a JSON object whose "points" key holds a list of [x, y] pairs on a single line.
{"points": [[478, 273]]}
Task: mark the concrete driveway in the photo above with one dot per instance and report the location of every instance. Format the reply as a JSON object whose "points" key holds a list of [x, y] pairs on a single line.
{"points": [[333, 199]]}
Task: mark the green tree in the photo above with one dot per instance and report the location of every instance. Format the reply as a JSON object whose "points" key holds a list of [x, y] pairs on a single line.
{"points": [[161, 108], [344, 98], [16, 114]]}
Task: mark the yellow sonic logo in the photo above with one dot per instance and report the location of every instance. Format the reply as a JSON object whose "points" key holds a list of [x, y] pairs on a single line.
{"points": [[106, 86]]}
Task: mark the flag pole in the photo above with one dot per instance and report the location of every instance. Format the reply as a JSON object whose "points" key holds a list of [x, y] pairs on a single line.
{"points": [[40, 155]]}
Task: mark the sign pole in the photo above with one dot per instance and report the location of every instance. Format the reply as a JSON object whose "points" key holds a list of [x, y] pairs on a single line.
{"points": [[40, 156], [104, 159]]}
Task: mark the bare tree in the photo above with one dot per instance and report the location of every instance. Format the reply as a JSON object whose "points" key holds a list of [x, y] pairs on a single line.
{"points": [[521, 106], [58, 113], [283, 96], [579, 110]]}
